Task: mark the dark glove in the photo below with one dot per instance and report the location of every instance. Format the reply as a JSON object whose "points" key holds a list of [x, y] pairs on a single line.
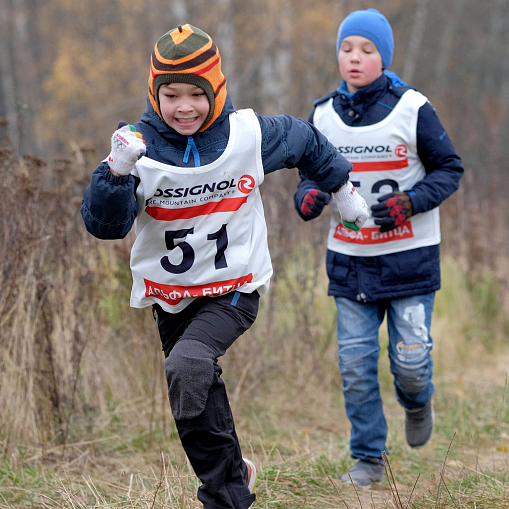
{"points": [[392, 210], [313, 203]]}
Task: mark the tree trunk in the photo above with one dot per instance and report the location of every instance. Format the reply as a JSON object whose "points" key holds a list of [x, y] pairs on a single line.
{"points": [[446, 44], [8, 110], [421, 13], [225, 39], [276, 64]]}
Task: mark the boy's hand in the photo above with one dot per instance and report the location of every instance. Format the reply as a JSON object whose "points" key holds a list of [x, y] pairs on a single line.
{"points": [[313, 203], [352, 206], [392, 211], [127, 146]]}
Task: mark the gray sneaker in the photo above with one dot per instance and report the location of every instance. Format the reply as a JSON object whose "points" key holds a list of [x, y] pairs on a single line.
{"points": [[419, 425], [365, 473]]}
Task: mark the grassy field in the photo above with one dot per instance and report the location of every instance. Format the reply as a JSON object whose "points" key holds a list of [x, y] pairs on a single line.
{"points": [[85, 421], [291, 422]]}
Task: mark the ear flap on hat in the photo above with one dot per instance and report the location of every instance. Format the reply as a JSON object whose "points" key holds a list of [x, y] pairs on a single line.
{"points": [[188, 55]]}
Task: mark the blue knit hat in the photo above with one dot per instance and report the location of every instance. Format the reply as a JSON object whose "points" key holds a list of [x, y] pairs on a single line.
{"points": [[373, 26]]}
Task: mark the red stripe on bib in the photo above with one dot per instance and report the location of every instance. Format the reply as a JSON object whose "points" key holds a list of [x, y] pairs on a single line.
{"points": [[226, 205], [380, 165]]}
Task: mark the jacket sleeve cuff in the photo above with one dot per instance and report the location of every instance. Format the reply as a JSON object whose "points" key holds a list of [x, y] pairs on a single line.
{"points": [[116, 180]]}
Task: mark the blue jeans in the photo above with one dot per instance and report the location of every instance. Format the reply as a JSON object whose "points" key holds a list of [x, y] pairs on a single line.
{"points": [[408, 323]]}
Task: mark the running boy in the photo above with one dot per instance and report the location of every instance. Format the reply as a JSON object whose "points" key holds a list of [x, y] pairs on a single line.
{"points": [[404, 165], [200, 258]]}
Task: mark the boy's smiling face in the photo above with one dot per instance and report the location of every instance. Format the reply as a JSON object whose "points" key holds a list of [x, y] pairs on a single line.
{"points": [[183, 106], [360, 62]]}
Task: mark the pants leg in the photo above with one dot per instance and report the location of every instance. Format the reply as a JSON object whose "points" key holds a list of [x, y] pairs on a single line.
{"points": [[212, 446], [410, 344], [192, 341], [359, 349]]}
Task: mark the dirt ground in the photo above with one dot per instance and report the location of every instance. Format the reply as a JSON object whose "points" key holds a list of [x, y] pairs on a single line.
{"points": [[482, 462], [461, 461]]}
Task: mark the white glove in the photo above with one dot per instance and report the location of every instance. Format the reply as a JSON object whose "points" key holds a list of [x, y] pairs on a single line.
{"points": [[126, 148], [351, 205]]}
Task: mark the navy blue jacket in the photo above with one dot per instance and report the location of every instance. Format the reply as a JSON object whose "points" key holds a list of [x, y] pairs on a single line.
{"points": [[109, 206], [412, 272]]}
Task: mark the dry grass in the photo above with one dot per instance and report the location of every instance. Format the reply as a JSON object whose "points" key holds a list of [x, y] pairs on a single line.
{"points": [[85, 419], [63, 308]]}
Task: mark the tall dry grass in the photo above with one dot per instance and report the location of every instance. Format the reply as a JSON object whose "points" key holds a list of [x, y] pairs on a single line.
{"points": [[66, 351], [74, 358], [46, 287]]}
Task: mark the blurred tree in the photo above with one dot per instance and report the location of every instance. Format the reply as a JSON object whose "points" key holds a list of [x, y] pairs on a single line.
{"points": [[70, 70], [19, 74], [99, 73], [421, 13], [9, 131]]}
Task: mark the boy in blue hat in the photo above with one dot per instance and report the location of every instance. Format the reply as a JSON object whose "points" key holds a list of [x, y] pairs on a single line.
{"points": [[404, 165]]}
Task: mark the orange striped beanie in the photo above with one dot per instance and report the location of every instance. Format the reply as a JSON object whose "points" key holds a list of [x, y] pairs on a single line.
{"points": [[186, 54]]}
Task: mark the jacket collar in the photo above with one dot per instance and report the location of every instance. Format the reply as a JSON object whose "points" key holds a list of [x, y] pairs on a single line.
{"points": [[367, 95]]}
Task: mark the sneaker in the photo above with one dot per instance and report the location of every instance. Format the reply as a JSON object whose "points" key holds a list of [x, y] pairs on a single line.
{"points": [[419, 425], [252, 475], [365, 473]]}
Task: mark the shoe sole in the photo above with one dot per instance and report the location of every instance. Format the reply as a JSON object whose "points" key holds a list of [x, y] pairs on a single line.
{"points": [[252, 475], [364, 487]]}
